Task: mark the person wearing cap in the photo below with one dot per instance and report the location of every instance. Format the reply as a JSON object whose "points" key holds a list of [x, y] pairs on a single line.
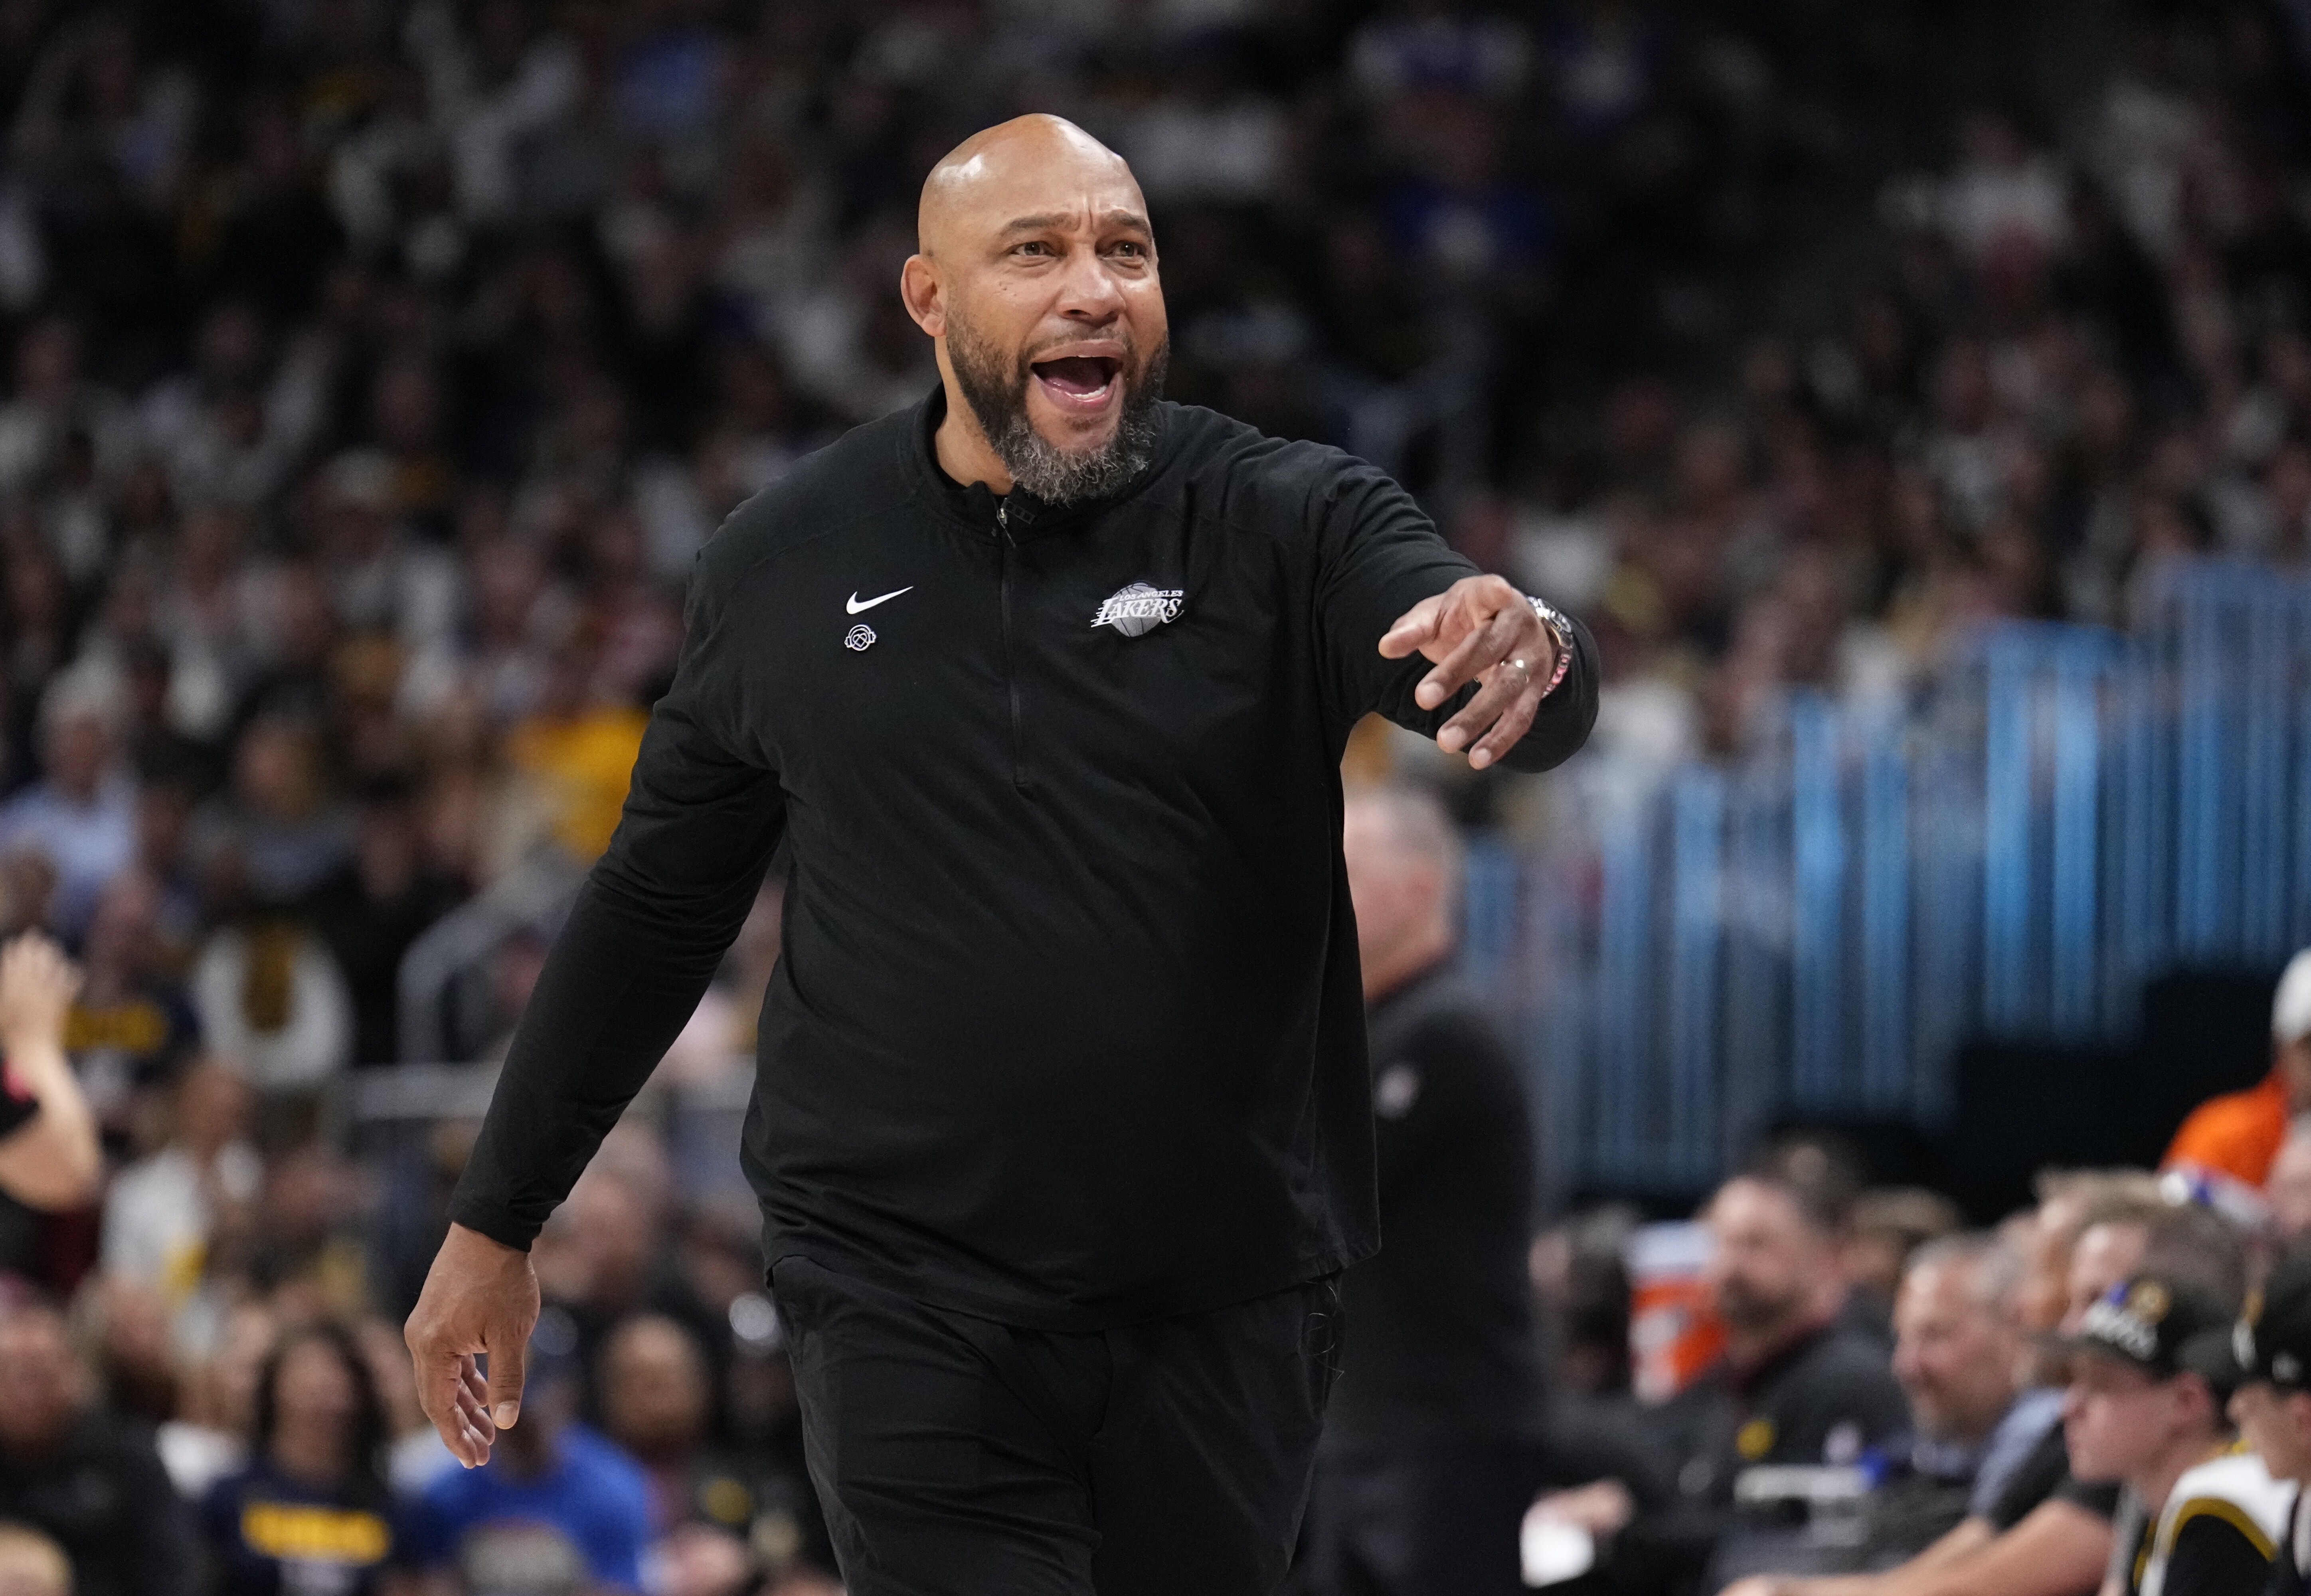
{"points": [[2238, 1136], [2271, 1343], [2151, 1367]]}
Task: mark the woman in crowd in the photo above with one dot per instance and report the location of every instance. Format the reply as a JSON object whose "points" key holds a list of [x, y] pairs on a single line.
{"points": [[311, 1513]]}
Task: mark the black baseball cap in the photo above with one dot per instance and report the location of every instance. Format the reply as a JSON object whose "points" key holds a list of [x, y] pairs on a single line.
{"points": [[2160, 1327], [2272, 1341]]}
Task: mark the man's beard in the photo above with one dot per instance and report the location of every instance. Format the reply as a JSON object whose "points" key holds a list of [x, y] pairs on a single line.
{"points": [[1058, 476]]}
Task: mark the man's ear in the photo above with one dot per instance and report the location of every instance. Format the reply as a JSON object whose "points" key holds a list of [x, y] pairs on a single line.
{"points": [[923, 295]]}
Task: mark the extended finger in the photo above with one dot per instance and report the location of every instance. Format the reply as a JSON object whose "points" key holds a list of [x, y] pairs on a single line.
{"points": [[1508, 730], [1413, 630], [1482, 648], [439, 1383], [474, 1402], [1502, 683]]}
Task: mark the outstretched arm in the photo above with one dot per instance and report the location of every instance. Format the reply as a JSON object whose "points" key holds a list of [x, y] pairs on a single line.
{"points": [[1391, 593]]}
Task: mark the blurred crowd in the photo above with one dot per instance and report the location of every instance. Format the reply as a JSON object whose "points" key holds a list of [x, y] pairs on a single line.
{"points": [[374, 368]]}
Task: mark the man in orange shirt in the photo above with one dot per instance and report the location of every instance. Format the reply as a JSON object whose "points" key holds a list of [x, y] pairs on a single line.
{"points": [[2239, 1134]]}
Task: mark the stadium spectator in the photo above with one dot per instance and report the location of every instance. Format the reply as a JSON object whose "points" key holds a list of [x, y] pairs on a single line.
{"points": [[657, 1399], [80, 816], [2272, 1352], [1791, 1388], [81, 1476], [273, 1005], [2239, 1134], [132, 1028], [162, 1210], [2152, 1373], [208, 1438], [1427, 1464], [560, 1499], [1958, 1352], [311, 1507]]}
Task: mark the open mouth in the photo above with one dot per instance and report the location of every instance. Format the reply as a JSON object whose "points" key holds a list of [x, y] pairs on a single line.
{"points": [[1079, 382]]}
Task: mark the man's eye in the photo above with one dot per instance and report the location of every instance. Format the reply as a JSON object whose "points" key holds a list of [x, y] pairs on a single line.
{"points": [[1135, 250]]}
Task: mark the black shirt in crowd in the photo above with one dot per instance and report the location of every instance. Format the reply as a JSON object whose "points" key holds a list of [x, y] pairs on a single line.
{"points": [[1067, 1029], [1822, 1400], [2044, 1475], [1439, 1338], [102, 1495]]}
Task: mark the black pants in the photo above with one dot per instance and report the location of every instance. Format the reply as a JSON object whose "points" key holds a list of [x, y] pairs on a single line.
{"points": [[959, 1457], [1432, 1517]]}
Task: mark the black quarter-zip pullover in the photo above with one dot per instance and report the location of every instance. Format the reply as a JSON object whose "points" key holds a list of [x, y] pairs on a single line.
{"points": [[1067, 1030]]}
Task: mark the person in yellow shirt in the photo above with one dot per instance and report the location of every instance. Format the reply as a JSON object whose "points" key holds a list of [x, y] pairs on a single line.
{"points": [[577, 751]]}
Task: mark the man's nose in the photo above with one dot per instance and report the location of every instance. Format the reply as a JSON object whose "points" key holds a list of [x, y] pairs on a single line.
{"points": [[1088, 292]]}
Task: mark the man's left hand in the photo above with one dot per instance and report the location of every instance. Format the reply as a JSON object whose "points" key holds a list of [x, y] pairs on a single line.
{"points": [[1482, 630]]}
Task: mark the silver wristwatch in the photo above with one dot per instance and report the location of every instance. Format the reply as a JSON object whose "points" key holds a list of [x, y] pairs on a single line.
{"points": [[1561, 630]]}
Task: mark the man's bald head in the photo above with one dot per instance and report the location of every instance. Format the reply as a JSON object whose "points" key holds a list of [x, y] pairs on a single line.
{"points": [[1034, 155], [1035, 271]]}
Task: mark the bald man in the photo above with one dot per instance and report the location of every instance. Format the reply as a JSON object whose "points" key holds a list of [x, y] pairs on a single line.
{"points": [[1062, 1127]]}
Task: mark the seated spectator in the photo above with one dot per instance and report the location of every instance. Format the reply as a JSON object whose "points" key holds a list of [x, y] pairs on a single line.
{"points": [[1792, 1386], [90, 1480], [286, 835], [123, 1328], [160, 1212], [602, 1260], [708, 1500], [209, 1438], [48, 1156], [32, 1563], [274, 1007], [81, 815], [132, 1027], [1959, 1354], [2238, 1136], [655, 1398], [553, 1492], [574, 753], [2272, 1348], [2151, 1372], [310, 1510], [374, 908]]}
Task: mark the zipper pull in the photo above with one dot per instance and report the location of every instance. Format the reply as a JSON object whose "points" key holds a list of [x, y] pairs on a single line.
{"points": [[1003, 517]]}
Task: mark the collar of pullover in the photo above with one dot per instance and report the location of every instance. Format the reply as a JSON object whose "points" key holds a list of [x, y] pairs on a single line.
{"points": [[975, 506]]}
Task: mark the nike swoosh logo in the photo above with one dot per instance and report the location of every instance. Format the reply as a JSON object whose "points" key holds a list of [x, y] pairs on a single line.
{"points": [[855, 605]]}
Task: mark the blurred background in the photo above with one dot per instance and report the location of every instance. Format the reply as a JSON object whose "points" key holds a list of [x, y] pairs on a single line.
{"points": [[1914, 398]]}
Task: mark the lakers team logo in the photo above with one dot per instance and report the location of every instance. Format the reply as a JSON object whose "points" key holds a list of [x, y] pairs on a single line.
{"points": [[1138, 609]]}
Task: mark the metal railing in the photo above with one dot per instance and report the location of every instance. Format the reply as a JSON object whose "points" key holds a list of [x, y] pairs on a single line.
{"points": [[2065, 813]]}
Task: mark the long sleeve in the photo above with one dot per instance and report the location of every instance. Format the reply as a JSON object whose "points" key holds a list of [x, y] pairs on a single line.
{"points": [[650, 924], [1379, 555]]}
